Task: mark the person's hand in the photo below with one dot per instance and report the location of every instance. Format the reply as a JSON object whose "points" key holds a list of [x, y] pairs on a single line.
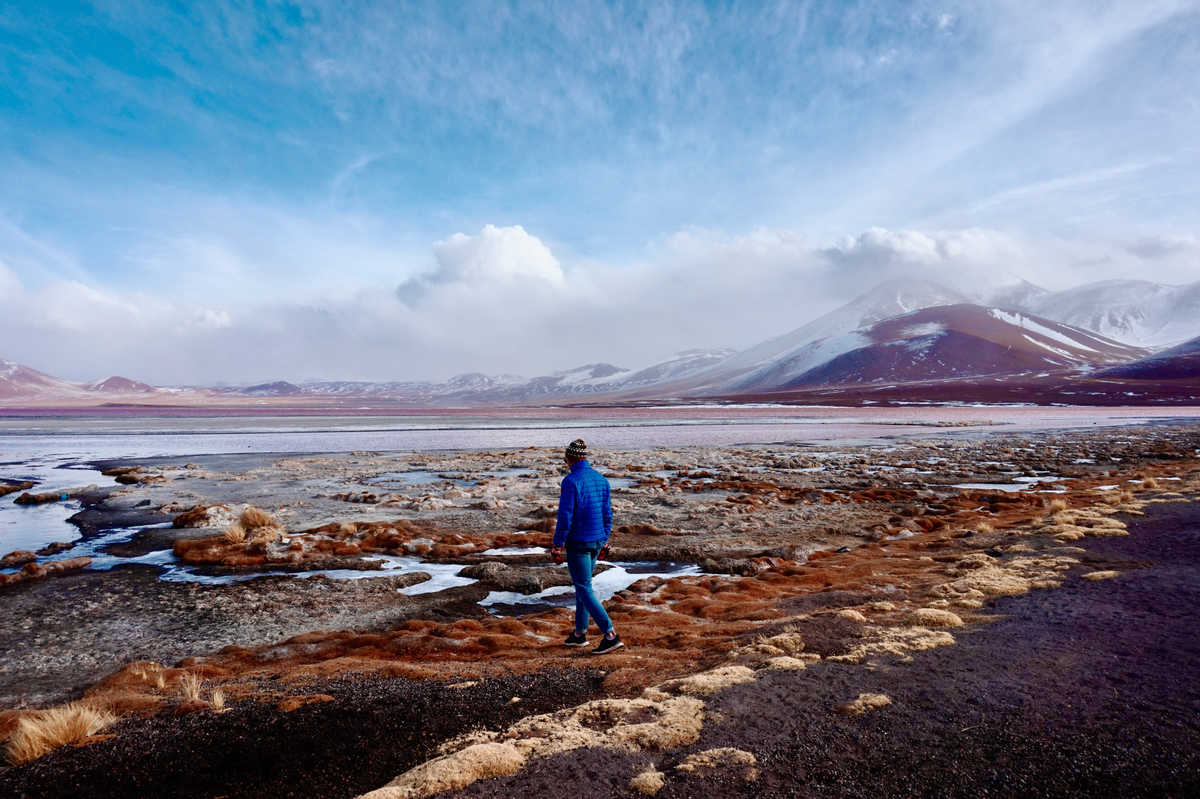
{"points": [[603, 553], [556, 555]]}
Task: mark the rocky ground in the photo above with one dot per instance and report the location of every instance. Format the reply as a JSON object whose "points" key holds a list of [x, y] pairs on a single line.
{"points": [[833, 577]]}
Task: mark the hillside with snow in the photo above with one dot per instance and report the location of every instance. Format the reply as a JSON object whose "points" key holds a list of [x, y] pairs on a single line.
{"points": [[1137, 312], [955, 341], [17, 381], [1177, 363]]}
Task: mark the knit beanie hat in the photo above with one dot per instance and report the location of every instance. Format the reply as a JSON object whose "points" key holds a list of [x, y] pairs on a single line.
{"points": [[577, 449]]}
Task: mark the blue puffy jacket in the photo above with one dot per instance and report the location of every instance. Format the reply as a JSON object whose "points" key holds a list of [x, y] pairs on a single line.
{"points": [[584, 507]]}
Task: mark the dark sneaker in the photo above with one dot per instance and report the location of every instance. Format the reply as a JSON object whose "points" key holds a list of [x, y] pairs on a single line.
{"points": [[608, 645], [575, 639]]}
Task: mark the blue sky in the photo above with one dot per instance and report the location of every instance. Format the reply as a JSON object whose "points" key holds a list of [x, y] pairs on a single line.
{"points": [[251, 169]]}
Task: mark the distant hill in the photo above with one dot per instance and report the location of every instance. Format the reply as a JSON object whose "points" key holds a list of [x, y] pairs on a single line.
{"points": [[1176, 363], [121, 385], [18, 382]]}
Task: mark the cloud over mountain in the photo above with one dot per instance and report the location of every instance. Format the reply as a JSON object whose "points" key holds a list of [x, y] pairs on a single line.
{"points": [[496, 256]]}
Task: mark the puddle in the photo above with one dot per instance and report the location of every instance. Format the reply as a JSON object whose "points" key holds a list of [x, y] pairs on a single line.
{"points": [[515, 551], [1018, 484], [442, 575], [32, 527], [605, 584], [526, 473], [418, 477]]}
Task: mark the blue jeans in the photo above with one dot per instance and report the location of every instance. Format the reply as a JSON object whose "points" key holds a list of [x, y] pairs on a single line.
{"points": [[581, 562]]}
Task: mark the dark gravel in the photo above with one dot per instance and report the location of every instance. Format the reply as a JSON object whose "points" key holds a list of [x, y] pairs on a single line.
{"points": [[374, 729], [1088, 690]]}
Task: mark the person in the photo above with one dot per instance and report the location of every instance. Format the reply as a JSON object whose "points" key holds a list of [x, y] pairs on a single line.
{"points": [[583, 527]]}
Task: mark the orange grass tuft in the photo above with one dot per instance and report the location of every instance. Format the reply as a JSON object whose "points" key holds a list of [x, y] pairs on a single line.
{"points": [[256, 524], [252, 518], [43, 731], [189, 686]]}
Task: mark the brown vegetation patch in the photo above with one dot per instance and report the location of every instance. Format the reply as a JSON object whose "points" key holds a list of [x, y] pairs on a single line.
{"points": [[39, 571], [7, 488], [43, 498], [288, 704]]}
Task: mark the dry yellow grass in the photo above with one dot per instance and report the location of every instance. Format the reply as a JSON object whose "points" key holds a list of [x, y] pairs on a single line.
{"points": [[852, 615], [715, 758], [1101, 575], [252, 518], [648, 782], [785, 643], [1056, 505], [606, 723], [254, 524], [189, 686], [866, 702], [454, 772], [933, 617], [43, 731], [895, 641], [709, 682], [218, 701], [711, 760]]}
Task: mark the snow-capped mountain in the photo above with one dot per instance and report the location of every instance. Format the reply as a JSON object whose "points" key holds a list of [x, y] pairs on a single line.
{"points": [[17, 381], [591, 379], [1177, 363], [784, 357], [954, 341], [1137, 312], [22, 382], [598, 379], [1021, 294]]}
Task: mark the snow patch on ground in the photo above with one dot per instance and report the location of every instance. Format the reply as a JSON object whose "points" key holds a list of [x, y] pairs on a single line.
{"points": [[925, 329]]}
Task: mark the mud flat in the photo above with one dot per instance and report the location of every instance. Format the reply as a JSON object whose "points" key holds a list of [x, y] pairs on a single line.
{"points": [[935, 616]]}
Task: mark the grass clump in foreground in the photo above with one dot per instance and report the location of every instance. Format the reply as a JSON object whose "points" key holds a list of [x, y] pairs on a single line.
{"points": [[43, 731]]}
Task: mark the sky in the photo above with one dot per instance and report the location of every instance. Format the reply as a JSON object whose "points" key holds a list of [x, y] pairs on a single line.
{"points": [[238, 192]]}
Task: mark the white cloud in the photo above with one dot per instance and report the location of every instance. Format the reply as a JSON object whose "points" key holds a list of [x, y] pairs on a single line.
{"points": [[498, 259], [501, 301]]}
